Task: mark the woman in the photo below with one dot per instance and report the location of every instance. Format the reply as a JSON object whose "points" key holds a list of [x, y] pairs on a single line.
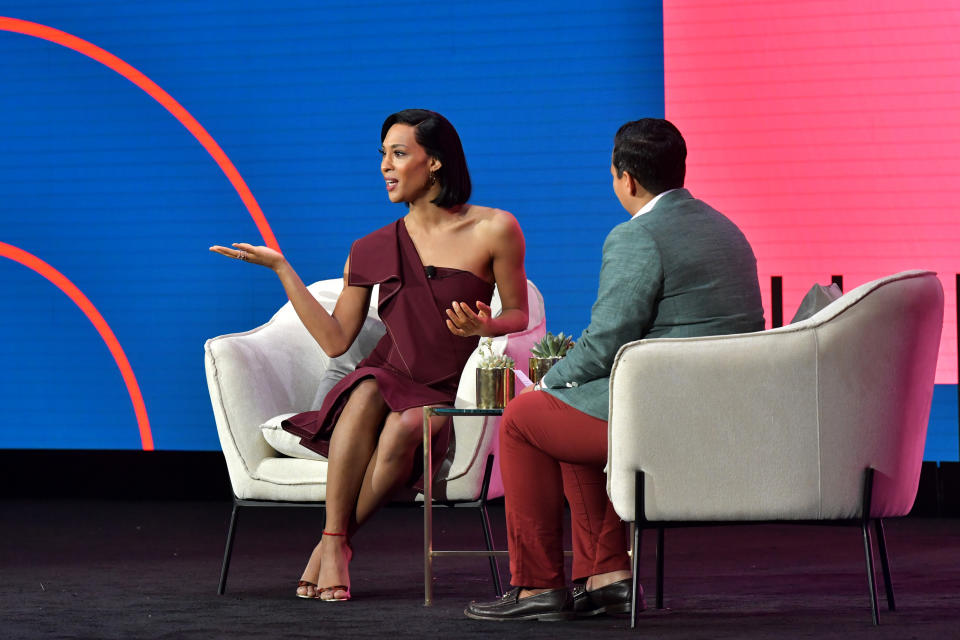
{"points": [[431, 264]]}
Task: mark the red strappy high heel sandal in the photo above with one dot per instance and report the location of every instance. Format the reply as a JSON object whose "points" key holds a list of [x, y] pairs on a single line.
{"points": [[337, 588]]}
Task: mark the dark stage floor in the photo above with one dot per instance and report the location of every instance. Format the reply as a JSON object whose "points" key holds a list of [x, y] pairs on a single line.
{"points": [[109, 569]]}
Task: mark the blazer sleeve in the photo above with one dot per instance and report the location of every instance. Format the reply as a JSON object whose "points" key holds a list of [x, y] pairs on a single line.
{"points": [[631, 279]]}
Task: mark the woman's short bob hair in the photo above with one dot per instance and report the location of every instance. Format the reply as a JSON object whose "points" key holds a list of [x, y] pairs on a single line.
{"points": [[440, 140]]}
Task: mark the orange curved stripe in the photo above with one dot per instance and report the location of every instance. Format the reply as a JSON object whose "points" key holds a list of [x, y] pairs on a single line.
{"points": [[36, 264], [154, 91]]}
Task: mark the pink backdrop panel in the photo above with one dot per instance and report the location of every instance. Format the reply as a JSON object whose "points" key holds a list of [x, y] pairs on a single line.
{"points": [[829, 131]]}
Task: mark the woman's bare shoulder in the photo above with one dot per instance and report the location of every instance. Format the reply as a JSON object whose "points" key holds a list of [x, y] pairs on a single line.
{"points": [[482, 212], [493, 220]]}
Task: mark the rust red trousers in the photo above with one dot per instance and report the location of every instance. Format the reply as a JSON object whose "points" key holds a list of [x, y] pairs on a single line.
{"points": [[548, 449]]}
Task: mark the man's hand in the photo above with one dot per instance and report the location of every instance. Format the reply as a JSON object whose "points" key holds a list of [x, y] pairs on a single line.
{"points": [[528, 389]]}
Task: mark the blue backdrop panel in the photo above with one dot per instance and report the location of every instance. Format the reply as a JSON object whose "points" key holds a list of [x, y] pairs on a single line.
{"points": [[942, 430], [102, 183]]}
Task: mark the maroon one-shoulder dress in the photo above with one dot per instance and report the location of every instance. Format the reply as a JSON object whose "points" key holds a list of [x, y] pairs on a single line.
{"points": [[418, 361]]}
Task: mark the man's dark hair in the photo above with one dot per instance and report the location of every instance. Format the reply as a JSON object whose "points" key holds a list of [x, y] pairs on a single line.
{"points": [[438, 137], [653, 152]]}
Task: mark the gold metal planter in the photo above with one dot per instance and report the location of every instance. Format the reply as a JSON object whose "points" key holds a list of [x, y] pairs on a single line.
{"points": [[538, 367], [495, 387]]}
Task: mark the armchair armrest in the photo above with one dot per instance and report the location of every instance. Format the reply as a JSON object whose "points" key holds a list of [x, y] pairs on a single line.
{"points": [[273, 369], [253, 376]]}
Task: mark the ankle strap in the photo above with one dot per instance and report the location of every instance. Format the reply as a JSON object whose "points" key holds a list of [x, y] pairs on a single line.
{"points": [[333, 533]]}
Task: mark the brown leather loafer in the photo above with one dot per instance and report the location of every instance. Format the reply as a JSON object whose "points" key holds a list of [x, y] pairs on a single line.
{"points": [[549, 606], [611, 599]]}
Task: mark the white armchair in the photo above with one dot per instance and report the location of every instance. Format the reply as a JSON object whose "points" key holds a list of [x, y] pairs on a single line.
{"points": [[257, 377], [823, 420]]}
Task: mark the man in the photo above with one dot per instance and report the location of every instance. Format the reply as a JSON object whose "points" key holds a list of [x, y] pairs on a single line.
{"points": [[676, 268]]}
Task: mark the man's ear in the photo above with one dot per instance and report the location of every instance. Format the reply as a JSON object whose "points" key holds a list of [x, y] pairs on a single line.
{"points": [[631, 184]]}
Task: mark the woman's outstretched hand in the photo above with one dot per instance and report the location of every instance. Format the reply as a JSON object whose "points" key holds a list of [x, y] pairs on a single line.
{"points": [[248, 253], [464, 321]]}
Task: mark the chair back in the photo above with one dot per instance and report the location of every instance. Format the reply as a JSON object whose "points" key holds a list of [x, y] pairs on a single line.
{"points": [[781, 424], [877, 359]]}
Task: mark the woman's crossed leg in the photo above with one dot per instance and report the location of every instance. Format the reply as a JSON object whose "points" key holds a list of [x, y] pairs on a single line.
{"points": [[371, 456]]}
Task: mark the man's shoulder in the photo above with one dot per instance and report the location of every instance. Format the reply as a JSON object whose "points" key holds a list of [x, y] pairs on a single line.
{"points": [[635, 226], [680, 211], [676, 201], [631, 232]]}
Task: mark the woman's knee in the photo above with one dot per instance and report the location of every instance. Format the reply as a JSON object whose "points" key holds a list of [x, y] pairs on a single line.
{"points": [[363, 412], [401, 434], [366, 395]]}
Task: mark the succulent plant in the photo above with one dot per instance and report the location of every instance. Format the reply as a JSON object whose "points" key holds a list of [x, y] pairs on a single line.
{"points": [[490, 360], [552, 346]]}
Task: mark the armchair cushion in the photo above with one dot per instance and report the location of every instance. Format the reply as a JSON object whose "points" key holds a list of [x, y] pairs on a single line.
{"points": [[285, 442], [289, 444]]}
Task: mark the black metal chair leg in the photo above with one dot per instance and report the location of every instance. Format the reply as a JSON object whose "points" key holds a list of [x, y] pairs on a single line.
{"points": [[871, 583], [639, 519], [494, 567], [229, 549], [660, 555], [485, 522], [884, 564], [865, 504]]}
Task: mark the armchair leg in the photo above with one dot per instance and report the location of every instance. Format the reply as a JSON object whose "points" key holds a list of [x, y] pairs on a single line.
{"points": [[871, 582], [485, 521], [884, 564], [868, 542], [660, 556], [635, 559], [229, 549], [494, 567]]}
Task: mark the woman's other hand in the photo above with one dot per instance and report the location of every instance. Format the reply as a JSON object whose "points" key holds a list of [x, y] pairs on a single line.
{"points": [[264, 256], [464, 321]]}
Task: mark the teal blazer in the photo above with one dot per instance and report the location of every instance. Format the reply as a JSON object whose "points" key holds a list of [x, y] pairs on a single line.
{"points": [[682, 269]]}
